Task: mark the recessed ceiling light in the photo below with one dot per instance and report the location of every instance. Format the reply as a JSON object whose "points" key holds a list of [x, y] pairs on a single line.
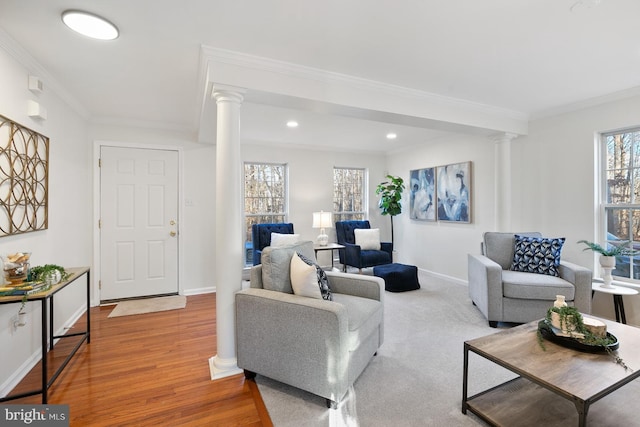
{"points": [[89, 25], [391, 135], [292, 124]]}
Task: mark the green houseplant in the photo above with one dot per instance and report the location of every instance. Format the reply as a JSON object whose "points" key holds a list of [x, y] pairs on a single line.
{"points": [[47, 272], [390, 193], [621, 248]]}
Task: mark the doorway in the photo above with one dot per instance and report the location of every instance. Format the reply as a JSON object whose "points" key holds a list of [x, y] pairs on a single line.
{"points": [[138, 222]]}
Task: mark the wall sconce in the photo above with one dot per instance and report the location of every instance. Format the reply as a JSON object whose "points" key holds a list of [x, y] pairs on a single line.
{"points": [[322, 220]]}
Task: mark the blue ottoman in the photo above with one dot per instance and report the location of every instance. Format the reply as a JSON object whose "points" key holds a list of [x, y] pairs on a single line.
{"points": [[398, 277]]}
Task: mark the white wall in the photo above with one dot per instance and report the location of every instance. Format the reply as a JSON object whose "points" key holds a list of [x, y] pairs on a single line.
{"points": [[442, 247], [311, 184], [556, 167], [67, 241]]}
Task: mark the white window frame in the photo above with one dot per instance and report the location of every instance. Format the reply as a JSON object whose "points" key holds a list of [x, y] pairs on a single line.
{"points": [[604, 206], [246, 215], [365, 194]]}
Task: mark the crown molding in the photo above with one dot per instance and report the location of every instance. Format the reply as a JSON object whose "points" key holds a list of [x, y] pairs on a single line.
{"points": [[212, 55], [13, 48], [587, 103]]}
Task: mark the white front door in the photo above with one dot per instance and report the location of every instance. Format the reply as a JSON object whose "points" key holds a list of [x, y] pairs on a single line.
{"points": [[138, 222]]}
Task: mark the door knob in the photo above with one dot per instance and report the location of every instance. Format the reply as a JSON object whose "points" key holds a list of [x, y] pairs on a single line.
{"points": [[172, 222], [172, 234]]}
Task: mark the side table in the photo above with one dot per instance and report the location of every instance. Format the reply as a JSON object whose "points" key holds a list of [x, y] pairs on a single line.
{"points": [[617, 292], [330, 247]]}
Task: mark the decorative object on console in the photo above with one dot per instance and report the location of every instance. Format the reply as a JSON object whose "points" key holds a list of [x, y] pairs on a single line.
{"points": [[454, 192], [390, 196], [608, 257], [422, 194], [24, 177], [322, 220], [16, 267]]}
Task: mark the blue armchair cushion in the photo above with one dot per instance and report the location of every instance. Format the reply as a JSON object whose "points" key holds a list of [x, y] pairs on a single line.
{"points": [[354, 255], [537, 255], [261, 237]]}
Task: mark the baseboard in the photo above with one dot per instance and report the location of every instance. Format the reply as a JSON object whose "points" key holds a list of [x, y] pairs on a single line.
{"points": [[198, 291], [444, 277], [35, 357]]}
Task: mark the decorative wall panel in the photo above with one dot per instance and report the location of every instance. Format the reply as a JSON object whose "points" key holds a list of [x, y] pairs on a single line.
{"points": [[24, 176]]}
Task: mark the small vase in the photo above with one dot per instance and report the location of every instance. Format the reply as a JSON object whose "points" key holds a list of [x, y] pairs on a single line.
{"points": [[555, 317], [607, 263]]}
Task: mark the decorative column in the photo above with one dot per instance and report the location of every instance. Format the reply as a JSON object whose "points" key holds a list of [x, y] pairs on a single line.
{"points": [[503, 195], [228, 272]]}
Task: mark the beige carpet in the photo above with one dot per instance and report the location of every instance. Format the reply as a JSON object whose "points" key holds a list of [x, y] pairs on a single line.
{"points": [[149, 305]]}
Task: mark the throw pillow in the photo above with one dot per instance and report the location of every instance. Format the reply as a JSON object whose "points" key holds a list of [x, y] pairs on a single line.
{"points": [[304, 279], [367, 238], [276, 265], [537, 255], [323, 280], [279, 240]]}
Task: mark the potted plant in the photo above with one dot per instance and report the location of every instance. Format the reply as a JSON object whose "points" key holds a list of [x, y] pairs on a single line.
{"points": [[390, 196], [608, 256], [48, 273]]}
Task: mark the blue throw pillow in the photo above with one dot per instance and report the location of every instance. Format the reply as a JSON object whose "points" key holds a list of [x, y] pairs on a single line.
{"points": [[323, 280], [537, 255]]}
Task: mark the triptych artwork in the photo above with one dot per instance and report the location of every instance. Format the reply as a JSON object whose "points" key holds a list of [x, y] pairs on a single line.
{"points": [[441, 193]]}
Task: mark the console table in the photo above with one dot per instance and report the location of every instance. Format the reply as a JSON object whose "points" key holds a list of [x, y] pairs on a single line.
{"points": [[47, 334]]}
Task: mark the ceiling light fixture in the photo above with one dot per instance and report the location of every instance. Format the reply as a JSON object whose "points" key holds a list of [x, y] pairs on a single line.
{"points": [[89, 25], [292, 124], [391, 135]]}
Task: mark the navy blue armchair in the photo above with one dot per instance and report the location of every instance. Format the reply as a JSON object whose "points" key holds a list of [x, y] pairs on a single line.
{"points": [[353, 255], [261, 236]]}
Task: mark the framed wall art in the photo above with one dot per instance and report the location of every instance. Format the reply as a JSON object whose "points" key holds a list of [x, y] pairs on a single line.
{"points": [[24, 175], [453, 192], [422, 191]]}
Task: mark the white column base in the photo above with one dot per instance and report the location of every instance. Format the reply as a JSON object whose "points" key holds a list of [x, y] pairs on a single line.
{"points": [[222, 368]]}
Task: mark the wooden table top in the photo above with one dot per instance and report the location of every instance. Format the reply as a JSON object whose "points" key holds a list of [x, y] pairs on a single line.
{"points": [[568, 371], [74, 273]]}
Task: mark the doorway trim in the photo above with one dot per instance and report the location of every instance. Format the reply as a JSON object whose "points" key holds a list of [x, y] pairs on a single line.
{"points": [[96, 270]]}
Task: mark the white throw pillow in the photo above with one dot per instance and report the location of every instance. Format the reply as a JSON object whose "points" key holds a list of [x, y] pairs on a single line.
{"points": [[368, 238], [304, 278], [279, 240]]}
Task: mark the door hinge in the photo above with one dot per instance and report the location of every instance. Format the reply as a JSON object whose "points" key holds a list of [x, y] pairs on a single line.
{"points": [[99, 163], [99, 223], [100, 284]]}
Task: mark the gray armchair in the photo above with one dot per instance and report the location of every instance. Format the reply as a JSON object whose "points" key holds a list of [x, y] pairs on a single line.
{"points": [[503, 295], [316, 345]]}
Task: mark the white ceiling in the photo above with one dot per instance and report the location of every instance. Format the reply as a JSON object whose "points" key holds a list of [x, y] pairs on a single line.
{"points": [[525, 56]]}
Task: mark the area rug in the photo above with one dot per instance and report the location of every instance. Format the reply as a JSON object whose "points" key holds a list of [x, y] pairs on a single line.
{"points": [[149, 305], [416, 378]]}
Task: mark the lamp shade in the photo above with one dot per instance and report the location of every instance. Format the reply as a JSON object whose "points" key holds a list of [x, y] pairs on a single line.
{"points": [[322, 220]]}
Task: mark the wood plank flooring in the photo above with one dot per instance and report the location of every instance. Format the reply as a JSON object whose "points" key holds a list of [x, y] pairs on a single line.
{"points": [[149, 370]]}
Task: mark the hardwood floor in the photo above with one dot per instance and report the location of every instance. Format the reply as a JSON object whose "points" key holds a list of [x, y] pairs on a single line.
{"points": [[149, 369]]}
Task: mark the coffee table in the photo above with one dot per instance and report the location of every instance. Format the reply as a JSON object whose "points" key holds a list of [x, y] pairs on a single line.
{"points": [[556, 385]]}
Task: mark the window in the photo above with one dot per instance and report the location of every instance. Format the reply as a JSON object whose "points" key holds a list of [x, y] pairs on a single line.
{"points": [[349, 194], [265, 198], [621, 196]]}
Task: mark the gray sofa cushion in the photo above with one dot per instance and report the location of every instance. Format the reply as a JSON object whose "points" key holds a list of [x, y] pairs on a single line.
{"points": [[276, 262], [522, 285], [500, 246], [364, 317]]}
